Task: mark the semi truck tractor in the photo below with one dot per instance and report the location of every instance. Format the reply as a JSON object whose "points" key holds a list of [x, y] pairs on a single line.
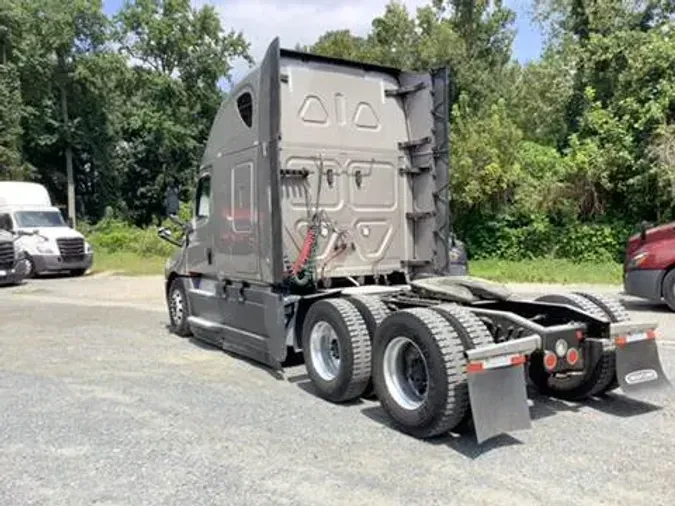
{"points": [[47, 243], [322, 226]]}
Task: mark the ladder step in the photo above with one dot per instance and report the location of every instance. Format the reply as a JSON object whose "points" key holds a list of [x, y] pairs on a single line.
{"points": [[415, 171], [414, 143], [405, 90], [415, 263], [420, 215]]}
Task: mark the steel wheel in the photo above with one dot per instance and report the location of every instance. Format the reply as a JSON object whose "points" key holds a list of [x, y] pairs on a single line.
{"points": [[336, 349], [177, 307], [406, 373], [324, 347]]}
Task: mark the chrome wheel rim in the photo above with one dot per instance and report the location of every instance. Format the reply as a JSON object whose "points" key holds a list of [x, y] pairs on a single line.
{"points": [[177, 307], [324, 348], [406, 374]]}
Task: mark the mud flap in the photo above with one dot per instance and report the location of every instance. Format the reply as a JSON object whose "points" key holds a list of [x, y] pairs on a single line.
{"points": [[498, 396], [638, 367], [497, 386]]}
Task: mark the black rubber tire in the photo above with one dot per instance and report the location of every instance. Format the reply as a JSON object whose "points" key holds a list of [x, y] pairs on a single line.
{"points": [[447, 396], [616, 312], [31, 273], [468, 326], [373, 311], [577, 387], [355, 349], [668, 289], [78, 272], [179, 324]]}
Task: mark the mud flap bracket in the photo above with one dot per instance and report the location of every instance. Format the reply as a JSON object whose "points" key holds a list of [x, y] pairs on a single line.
{"points": [[497, 388]]}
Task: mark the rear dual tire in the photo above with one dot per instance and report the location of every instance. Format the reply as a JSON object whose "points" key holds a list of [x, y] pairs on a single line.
{"points": [[336, 349], [419, 374], [373, 311], [420, 370], [416, 357], [593, 381]]}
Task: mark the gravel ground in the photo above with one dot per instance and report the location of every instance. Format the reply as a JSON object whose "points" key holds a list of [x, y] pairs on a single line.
{"points": [[99, 404]]}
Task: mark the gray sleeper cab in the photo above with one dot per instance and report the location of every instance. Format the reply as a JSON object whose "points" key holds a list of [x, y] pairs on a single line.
{"points": [[321, 225]]}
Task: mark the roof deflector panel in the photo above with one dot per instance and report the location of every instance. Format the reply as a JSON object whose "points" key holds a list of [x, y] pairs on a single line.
{"points": [[310, 57]]}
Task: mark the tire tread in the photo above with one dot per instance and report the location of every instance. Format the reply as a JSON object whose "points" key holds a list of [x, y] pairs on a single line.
{"points": [[361, 347], [452, 353]]}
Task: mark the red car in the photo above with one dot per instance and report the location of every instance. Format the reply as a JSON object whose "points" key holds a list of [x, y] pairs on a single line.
{"points": [[649, 266]]}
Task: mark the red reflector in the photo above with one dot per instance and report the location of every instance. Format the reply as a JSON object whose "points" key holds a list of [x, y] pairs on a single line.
{"points": [[651, 334], [572, 356], [550, 360], [474, 367], [621, 341], [518, 360], [580, 335]]}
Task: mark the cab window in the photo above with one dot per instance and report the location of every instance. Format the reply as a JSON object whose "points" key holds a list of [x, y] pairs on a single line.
{"points": [[203, 197]]}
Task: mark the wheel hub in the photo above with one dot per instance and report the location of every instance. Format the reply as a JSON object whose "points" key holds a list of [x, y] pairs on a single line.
{"points": [[405, 373], [324, 348]]}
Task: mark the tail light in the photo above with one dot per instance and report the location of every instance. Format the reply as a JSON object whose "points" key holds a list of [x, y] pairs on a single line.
{"points": [[572, 356], [550, 360]]}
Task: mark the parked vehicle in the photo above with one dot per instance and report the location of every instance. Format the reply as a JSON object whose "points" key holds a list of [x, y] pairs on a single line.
{"points": [[13, 265], [649, 266], [55, 247], [322, 226]]}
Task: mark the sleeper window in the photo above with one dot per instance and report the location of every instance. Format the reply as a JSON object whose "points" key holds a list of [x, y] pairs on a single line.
{"points": [[204, 197], [245, 107]]}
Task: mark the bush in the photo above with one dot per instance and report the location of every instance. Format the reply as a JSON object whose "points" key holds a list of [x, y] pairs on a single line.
{"points": [[510, 237], [114, 235]]}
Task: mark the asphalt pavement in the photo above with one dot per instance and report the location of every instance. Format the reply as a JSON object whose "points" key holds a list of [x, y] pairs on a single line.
{"points": [[100, 404]]}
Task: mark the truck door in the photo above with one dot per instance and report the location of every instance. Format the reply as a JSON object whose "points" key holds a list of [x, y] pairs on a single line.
{"points": [[200, 263]]}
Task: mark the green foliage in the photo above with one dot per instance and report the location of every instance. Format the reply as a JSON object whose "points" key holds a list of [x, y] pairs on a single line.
{"points": [[140, 91], [549, 159], [527, 237], [548, 271], [113, 235]]}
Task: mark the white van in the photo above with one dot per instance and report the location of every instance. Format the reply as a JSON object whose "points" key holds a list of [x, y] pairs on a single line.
{"points": [[54, 247]]}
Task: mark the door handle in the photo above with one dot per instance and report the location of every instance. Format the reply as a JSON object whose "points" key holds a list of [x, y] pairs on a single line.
{"points": [[209, 256]]}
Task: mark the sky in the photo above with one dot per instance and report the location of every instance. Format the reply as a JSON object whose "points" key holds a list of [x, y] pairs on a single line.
{"points": [[303, 21]]}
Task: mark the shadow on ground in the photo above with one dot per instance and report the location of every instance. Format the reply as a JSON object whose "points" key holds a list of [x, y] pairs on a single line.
{"points": [[463, 441], [645, 305]]}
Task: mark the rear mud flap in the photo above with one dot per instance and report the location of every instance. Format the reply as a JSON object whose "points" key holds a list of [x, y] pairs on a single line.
{"points": [[498, 399], [638, 367]]}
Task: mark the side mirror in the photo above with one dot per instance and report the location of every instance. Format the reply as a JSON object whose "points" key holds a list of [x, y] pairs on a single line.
{"points": [[644, 226], [165, 233], [171, 202]]}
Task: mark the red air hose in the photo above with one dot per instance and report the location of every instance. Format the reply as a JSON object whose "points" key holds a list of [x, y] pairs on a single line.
{"points": [[305, 251]]}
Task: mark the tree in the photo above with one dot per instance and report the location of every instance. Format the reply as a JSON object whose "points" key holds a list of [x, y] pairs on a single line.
{"points": [[178, 55]]}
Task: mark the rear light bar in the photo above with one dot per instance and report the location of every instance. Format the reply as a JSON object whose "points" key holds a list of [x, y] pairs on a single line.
{"points": [[495, 362]]}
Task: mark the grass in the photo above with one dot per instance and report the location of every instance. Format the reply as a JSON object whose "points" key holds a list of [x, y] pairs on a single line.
{"points": [[128, 264], [547, 271], [526, 271]]}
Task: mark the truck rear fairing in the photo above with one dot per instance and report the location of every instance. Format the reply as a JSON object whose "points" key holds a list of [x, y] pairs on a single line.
{"points": [[324, 182]]}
